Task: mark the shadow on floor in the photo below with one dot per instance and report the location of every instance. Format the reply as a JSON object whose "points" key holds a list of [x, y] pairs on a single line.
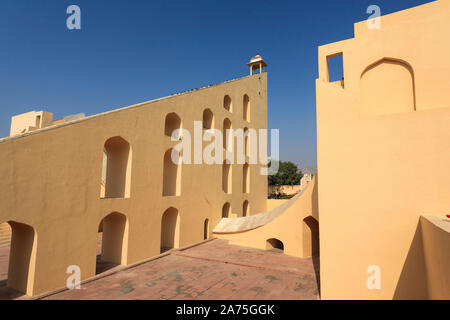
{"points": [[8, 293], [165, 249]]}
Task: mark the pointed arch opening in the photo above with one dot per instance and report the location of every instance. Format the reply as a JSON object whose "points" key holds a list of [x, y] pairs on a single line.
{"points": [[227, 134], [310, 237], [226, 210], [246, 109], [21, 240], [172, 173], [274, 245], [172, 123], [387, 87], [116, 169], [112, 246], [170, 229], [245, 209], [227, 103], [246, 178], [208, 119], [246, 142], [227, 178], [206, 229]]}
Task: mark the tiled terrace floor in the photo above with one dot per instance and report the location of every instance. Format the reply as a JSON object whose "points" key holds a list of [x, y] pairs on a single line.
{"points": [[210, 270]]}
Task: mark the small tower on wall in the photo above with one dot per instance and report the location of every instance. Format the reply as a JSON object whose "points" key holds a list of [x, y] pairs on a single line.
{"points": [[257, 62]]}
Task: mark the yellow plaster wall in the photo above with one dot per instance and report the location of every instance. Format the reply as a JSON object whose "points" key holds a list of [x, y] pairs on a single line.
{"points": [[391, 164], [51, 180], [273, 203]]}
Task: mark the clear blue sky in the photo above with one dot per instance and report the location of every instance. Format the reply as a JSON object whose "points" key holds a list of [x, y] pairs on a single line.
{"points": [[133, 51]]}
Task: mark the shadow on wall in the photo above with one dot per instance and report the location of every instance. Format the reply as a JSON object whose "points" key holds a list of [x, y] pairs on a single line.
{"points": [[315, 199], [311, 245], [316, 265], [412, 282], [315, 215], [117, 156]]}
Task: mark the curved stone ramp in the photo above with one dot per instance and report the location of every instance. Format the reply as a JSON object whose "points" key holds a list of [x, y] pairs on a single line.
{"points": [[230, 225], [294, 223]]}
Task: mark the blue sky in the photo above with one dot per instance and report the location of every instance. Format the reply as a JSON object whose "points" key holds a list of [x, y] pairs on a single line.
{"points": [[133, 51]]}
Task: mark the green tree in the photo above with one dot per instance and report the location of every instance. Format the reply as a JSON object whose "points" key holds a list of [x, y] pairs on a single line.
{"points": [[288, 175]]}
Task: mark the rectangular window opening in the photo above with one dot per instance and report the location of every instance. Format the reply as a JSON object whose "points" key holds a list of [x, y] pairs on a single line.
{"points": [[336, 67]]}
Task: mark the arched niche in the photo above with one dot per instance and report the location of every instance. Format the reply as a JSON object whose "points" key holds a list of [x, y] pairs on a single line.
{"points": [[310, 237], [206, 229], [172, 123], [116, 169], [246, 108], [208, 119], [226, 209], [227, 134], [22, 257], [172, 173], [387, 87], [114, 241], [245, 208], [246, 178], [170, 229], [227, 175], [227, 103]]}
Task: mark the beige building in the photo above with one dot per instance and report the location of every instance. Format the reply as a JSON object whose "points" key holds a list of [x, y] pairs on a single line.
{"points": [[383, 146], [383, 227], [64, 181], [381, 192]]}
